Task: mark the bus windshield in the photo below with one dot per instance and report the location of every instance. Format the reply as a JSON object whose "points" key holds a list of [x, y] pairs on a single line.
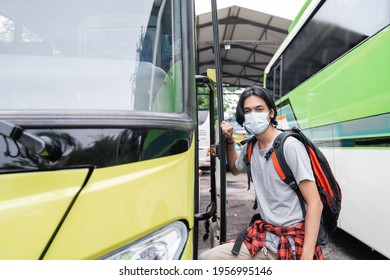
{"points": [[92, 55]]}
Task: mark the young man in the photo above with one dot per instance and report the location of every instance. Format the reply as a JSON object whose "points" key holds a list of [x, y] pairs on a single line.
{"points": [[282, 232]]}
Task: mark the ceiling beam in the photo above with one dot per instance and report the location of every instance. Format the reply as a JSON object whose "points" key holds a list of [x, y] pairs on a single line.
{"points": [[258, 66], [250, 50], [242, 43], [239, 20]]}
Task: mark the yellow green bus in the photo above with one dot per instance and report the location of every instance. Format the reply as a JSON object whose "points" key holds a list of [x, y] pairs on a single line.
{"points": [[330, 77], [98, 130]]}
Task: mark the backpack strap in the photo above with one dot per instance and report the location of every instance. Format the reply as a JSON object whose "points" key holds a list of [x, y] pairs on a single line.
{"points": [[238, 242], [241, 236], [247, 159], [281, 165]]}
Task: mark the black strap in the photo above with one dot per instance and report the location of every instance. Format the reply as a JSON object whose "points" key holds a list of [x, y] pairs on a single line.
{"points": [[247, 159], [238, 243], [254, 207], [207, 228], [241, 236]]}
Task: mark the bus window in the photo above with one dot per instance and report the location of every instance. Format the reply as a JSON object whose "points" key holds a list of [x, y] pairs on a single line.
{"points": [[204, 138], [277, 82], [73, 56], [204, 125], [331, 32]]}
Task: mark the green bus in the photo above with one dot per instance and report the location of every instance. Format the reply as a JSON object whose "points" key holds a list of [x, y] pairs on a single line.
{"points": [[330, 78]]}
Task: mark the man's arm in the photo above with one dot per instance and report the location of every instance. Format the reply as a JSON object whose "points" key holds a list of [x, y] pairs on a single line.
{"points": [[312, 219], [227, 131]]}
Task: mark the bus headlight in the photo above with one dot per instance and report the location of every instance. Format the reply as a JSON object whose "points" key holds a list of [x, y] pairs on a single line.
{"points": [[164, 244]]}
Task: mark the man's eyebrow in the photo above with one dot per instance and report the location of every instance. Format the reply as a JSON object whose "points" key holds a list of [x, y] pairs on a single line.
{"points": [[256, 107]]}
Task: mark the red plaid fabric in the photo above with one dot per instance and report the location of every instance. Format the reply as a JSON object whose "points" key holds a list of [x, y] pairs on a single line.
{"points": [[255, 240]]}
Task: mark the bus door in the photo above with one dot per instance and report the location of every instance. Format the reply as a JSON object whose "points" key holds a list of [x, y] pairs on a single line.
{"points": [[217, 149], [215, 212]]}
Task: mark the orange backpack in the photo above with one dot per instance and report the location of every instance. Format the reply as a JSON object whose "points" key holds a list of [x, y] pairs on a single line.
{"points": [[328, 188]]}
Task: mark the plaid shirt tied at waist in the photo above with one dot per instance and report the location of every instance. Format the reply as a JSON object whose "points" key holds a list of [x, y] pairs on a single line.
{"points": [[255, 240]]}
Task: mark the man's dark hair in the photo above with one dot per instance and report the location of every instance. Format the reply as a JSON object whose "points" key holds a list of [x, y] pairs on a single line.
{"points": [[263, 94]]}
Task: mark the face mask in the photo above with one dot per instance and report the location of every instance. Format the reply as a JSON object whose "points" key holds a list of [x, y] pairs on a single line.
{"points": [[256, 123]]}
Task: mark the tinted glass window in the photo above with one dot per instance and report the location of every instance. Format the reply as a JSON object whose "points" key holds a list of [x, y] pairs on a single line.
{"points": [[336, 28], [277, 81], [270, 80]]}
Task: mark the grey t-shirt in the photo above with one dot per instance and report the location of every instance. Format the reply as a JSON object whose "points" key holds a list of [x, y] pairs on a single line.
{"points": [[278, 204]]}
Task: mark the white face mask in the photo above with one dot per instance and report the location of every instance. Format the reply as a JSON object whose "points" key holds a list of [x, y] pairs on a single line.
{"points": [[256, 123]]}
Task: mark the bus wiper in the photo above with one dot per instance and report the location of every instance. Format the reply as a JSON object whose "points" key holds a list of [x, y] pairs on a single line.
{"points": [[38, 145]]}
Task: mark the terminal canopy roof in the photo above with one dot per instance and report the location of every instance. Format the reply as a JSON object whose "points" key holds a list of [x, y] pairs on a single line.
{"points": [[248, 40]]}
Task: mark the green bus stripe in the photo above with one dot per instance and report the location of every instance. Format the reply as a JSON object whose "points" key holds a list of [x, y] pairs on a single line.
{"points": [[370, 131], [383, 142]]}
